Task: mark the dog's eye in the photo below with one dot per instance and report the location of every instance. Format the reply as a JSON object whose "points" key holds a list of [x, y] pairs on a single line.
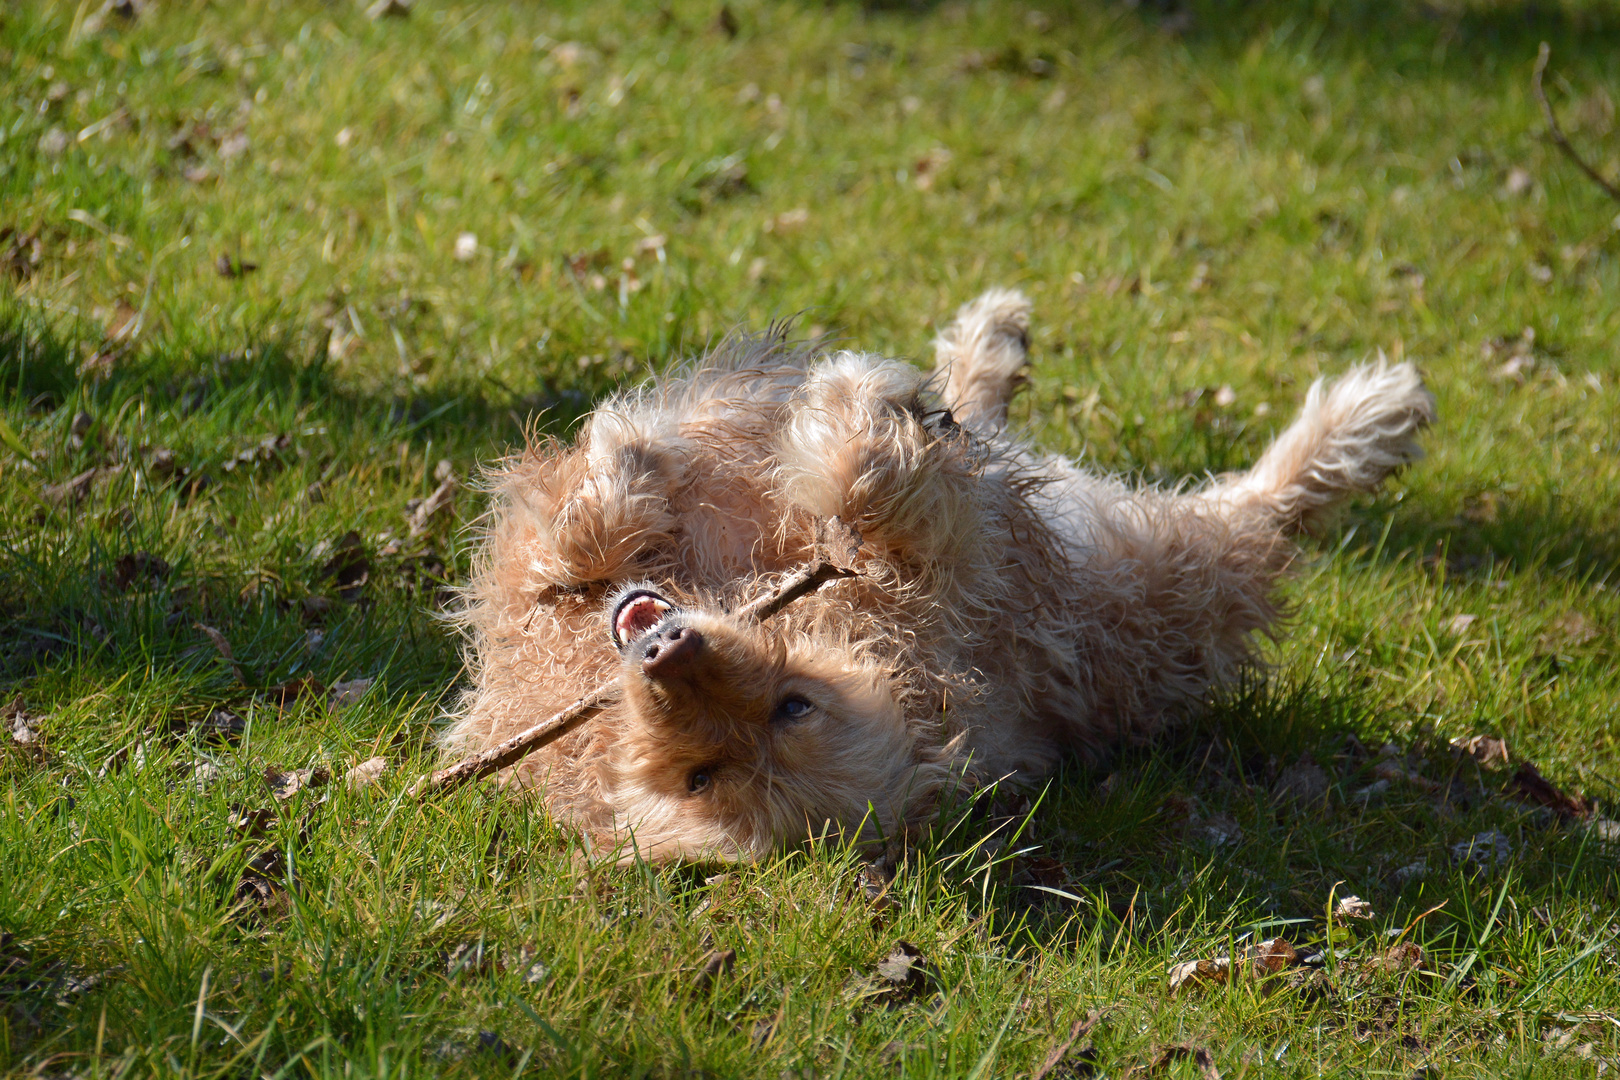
{"points": [[794, 707], [699, 782]]}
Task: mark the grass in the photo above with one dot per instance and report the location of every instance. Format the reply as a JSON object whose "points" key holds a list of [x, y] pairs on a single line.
{"points": [[1198, 197]]}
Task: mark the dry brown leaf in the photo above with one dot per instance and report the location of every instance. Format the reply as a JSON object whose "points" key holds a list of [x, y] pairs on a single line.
{"points": [[1303, 782], [1529, 785], [1083, 1058], [788, 220], [221, 725], [1270, 957], [24, 729], [140, 567], [1196, 973], [364, 774], [1405, 956], [719, 962], [1484, 749], [906, 969], [1488, 848], [1568, 630], [284, 784], [1459, 624], [222, 647], [873, 885], [70, 491], [421, 512], [1352, 907], [838, 542], [1164, 1057], [344, 694]]}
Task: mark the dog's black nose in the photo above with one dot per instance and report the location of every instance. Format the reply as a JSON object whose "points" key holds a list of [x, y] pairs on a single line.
{"points": [[671, 652]]}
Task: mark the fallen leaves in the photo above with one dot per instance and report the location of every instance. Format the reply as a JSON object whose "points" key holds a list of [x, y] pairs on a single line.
{"points": [[420, 513], [346, 693], [1458, 625], [74, 490], [221, 725], [21, 253], [1489, 848], [365, 774], [349, 568], [1072, 1061], [1486, 750], [227, 267], [1193, 973], [902, 975], [286, 783], [717, 963], [1304, 783], [285, 695], [222, 647], [1529, 785], [1165, 1056], [872, 884], [267, 450], [906, 969], [141, 567], [22, 729], [1513, 359], [1258, 961], [1352, 907]]}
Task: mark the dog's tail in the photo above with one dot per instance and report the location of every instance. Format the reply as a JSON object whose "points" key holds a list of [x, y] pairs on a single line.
{"points": [[980, 357], [1350, 436]]}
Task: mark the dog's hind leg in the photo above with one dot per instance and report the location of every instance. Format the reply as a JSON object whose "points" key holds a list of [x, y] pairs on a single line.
{"points": [[1349, 437], [866, 441], [980, 357]]}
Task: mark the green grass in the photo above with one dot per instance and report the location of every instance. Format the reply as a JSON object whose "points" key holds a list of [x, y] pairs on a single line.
{"points": [[1217, 195]]}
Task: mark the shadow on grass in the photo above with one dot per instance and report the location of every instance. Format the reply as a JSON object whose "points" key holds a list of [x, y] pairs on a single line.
{"points": [[1538, 535], [80, 587], [1452, 36], [40, 372], [1274, 799]]}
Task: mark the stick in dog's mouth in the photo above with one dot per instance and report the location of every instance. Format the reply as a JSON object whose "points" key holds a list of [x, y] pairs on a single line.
{"points": [[629, 620]]}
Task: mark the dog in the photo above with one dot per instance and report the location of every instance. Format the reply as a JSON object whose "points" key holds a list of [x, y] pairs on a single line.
{"points": [[1011, 606]]}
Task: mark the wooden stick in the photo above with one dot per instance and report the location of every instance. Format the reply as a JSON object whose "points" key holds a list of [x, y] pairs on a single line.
{"points": [[1556, 133], [518, 746], [798, 584]]}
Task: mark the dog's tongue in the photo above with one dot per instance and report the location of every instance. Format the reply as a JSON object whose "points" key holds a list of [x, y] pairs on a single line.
{"points": [[639, 616]]}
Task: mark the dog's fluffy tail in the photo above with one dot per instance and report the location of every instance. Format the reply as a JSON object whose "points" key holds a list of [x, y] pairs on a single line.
{"points": [[980, 357], [1350, 436]]}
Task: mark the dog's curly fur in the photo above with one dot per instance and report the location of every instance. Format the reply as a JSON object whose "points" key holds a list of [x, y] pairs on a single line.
{"points": [[1011, 606]]}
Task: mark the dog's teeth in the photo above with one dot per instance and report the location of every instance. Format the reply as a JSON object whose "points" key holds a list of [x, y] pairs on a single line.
{"points": [[638, 616]]}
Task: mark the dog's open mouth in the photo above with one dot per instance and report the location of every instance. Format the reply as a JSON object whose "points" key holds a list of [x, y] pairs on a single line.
{"points": [[637, 612]]}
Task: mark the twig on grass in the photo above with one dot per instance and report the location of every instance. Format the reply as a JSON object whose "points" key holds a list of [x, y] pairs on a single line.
{"points": [[1556, 133], [835, 550]]}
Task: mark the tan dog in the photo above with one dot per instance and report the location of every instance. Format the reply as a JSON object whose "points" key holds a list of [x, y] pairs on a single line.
{"points": [[1011, 606]]}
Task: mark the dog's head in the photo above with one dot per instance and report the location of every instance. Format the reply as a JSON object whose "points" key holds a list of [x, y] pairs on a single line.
{"points": [[739, 737]]}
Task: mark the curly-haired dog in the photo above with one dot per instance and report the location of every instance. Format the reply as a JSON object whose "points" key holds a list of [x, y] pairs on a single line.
{"points": [[1011, 606]]}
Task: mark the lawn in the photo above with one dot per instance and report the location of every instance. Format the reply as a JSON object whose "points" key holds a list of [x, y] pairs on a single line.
{"points": [[271, 271]]}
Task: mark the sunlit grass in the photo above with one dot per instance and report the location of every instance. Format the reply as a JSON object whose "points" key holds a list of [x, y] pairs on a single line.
{"points": [[268, 267]]}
